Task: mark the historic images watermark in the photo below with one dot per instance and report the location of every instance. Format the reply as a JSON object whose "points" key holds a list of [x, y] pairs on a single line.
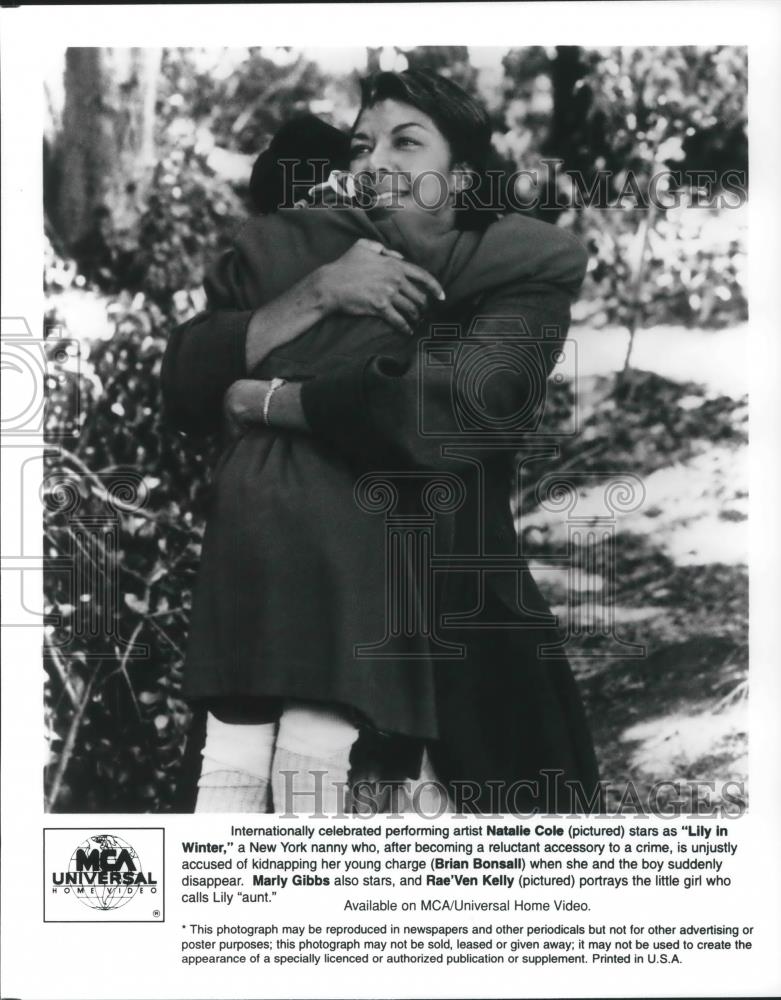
{"points": [[665, 798], [548, 187]]}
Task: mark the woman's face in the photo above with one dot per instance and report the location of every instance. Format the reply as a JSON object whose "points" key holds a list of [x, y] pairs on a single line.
{"points": [[403, 158]]}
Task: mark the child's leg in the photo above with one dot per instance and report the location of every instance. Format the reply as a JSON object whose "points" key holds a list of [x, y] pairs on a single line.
{"points": [[312, 739], [236, 769]]}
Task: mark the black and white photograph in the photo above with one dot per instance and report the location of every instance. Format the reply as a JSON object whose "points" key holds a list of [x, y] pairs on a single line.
{"points": [[390, 446], [409, 428]]}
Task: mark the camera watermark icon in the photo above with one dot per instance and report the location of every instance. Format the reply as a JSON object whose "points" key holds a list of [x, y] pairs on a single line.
{"points": [[481, 395], [33, 368], [490, 384], [481, 403]]}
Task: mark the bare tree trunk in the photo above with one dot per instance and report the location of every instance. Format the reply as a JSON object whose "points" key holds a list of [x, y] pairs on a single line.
{"points": [[642, 238], [106, 150], [637, 281]]}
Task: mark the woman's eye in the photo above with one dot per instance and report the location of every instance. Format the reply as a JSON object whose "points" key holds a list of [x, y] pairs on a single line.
{"points": [[405, 141], [357, 151]]}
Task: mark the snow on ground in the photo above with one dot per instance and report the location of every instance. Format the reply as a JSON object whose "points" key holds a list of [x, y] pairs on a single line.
{"points": [[696, 511], [671, 743], [714, 358]]}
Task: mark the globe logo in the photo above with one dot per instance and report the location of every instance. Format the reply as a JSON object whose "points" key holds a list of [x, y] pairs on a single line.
{"points": [[105, 853], [104, 871]]}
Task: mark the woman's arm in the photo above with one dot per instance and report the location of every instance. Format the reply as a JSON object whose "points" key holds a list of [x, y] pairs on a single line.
{"points": [[245, 399], [289, 315], [210, 352], [371, 409], [383, 410], [206, 355], [202, 358], [387, 410], [398, 409]]}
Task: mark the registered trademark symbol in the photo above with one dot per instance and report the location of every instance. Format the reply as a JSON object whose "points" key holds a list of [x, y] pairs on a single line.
{"points": [[155, 913]]}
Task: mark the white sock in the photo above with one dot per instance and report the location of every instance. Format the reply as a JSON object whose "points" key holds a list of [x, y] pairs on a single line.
{"points": [[235, 774], [311, 760]]}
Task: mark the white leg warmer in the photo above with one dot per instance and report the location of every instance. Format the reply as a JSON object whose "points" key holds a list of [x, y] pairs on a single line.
{"points": [[311, 760], [236, 767]]}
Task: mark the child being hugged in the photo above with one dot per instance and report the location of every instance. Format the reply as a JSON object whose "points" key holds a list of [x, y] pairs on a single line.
{"points": [[293, 576]]}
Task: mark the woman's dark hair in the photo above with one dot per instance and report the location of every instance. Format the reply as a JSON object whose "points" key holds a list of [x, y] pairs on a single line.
{"points": [[462, 120], [274, 184]]}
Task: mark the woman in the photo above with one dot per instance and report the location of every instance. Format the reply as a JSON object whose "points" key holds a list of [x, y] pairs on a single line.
{"points": [[275, 627]]}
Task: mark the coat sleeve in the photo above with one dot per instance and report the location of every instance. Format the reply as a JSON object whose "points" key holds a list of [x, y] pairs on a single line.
{"points": [[205, 355], [487, 378]]}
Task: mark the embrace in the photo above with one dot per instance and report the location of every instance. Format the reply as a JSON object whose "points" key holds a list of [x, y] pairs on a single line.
{"points": [[361, 611]]}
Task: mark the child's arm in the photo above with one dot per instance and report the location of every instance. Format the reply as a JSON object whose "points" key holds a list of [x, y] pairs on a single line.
{"points": [[210, 352], [214, 349], [369, 409]]}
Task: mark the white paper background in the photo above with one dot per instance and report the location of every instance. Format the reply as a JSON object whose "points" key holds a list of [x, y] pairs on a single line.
{"points": [[61, 961]]}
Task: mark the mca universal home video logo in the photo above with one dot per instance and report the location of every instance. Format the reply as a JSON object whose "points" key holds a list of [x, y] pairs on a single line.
{"points": [[104, 876]]}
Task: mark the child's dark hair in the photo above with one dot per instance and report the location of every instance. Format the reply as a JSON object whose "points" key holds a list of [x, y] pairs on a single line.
{"points": [[318, 147]]}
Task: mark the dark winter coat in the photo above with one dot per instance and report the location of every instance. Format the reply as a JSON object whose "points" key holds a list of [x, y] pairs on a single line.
{"points": [[298, 564]]}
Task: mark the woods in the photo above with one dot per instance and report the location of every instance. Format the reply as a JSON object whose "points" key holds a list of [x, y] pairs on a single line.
{"points": [[146, 163], [106, 146]]}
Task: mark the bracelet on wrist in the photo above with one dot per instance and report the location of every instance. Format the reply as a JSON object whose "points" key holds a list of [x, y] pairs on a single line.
{"points": [[273, 386]]}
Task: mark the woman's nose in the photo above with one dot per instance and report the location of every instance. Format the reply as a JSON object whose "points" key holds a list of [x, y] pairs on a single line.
{"points": [[381, 161]]}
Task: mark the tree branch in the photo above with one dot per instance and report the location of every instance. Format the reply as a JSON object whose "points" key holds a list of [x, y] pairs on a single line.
{"points": [[61, 669], [70, 742], [103, 494]]}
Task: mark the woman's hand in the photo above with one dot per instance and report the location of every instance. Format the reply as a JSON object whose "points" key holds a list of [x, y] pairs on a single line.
{"points": [[368, 280], [242, 405], [371, 280]]}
